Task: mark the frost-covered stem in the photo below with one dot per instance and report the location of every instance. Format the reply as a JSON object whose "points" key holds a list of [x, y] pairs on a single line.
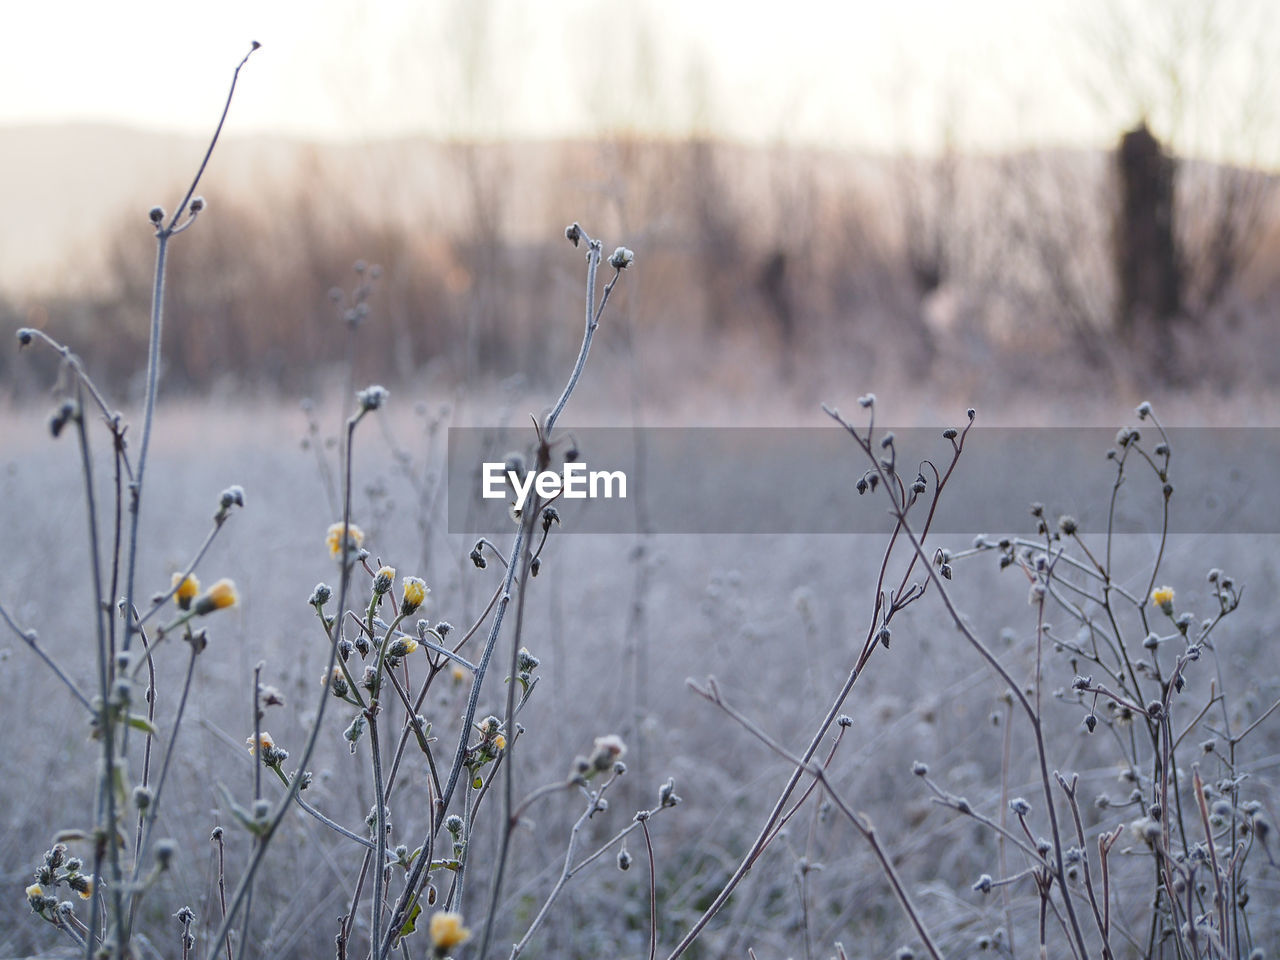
{"points": [[508, 779], [73, 363], [653, 894], [442, 806], [593, 264], [1033, 716], [163, 235], [146, 827], [571, 869], [712, 694], [278, 815], [30, 638], [593, 314], [380, 826], [153, 376], [105, 826]]}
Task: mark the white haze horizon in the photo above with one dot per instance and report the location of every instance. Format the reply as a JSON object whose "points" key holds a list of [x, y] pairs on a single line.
{"points": [[985, 76]]}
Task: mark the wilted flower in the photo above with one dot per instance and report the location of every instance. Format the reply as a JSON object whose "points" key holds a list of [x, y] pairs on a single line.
{"points": [[218, 597], [264, 741], [271, 755], [187, 588], [606, 751]]}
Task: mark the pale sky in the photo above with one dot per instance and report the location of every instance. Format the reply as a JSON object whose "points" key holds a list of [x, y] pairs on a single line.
{"points": [[879, 75]]}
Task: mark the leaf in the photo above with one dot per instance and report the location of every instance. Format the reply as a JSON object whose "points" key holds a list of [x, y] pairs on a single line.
{"points": [[411, 923], [143, 724]]}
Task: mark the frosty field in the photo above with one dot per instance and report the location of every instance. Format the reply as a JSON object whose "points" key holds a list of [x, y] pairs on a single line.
{"points": [[619, 623]]}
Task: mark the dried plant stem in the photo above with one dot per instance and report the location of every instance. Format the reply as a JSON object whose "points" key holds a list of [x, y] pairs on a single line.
{"points": [[380, 829], [653, 892], [900, 599], [105, 845], [420, 867], [282, 806], [532, 511], [31, 639], [593, 313], [569, 869], [1078, 946], [147, 818], [711, 693]]}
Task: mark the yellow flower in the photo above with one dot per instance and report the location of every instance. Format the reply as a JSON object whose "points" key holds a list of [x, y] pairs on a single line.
{"points": [[500, 742], [35, 891], [447, 930], [355, 537], [84, 888], [1162, 597], [415, 592], [457, 673], [186, 590], [264, 740], [218, 597]]}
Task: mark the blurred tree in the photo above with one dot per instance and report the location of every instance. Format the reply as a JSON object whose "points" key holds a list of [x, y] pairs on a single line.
{"points": [[1146, 261]]}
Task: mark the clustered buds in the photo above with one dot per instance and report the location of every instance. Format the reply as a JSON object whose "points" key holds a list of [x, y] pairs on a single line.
{"points": [[56, 870]]}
